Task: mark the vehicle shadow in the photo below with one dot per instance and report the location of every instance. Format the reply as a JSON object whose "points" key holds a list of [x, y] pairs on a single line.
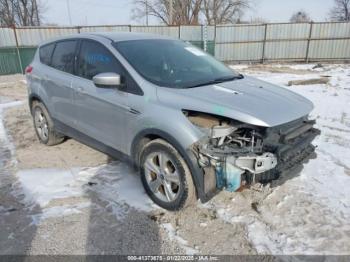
{"points": [[16, 229], [120, 221]]}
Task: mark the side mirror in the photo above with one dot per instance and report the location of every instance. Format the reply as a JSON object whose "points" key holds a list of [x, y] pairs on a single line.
{"points": [[105, 80]]}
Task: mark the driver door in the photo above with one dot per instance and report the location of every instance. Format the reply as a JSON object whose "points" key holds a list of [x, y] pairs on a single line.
{"points": [[101, 111]]}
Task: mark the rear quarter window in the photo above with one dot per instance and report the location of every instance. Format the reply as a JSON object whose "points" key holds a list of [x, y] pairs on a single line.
{"points": [[45, 53]]}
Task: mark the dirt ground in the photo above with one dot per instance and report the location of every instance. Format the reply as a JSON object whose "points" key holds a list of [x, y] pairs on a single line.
{"points": [[71, 199], [29, 152]]}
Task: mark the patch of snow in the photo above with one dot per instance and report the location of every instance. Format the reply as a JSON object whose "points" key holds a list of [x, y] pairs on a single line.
{"points": [[40, 186], [115, 183], [310, 213], [5, 143], [239, 67], [3, 134], [173, 235]]}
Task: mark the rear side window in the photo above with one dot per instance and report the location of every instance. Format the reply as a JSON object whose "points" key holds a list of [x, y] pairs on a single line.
{"points": [[45, 53], [63, 56], [94, 59]]}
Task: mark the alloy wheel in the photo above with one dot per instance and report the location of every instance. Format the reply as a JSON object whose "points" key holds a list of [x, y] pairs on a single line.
{"points": [[162, 176]]}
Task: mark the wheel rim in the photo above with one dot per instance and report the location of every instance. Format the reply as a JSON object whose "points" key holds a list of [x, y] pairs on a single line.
{"points": [[41, 124], [162, 177]]}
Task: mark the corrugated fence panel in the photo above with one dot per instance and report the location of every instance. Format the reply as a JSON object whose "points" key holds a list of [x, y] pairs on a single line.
{"points": [[27, 55], [239, 52], [245, 42], [9, 62], [91, 29], [285, 50], [240, 33], [225, 50], [172, 31], [287, 31], [191, 33], [7, 37], [34, 36], [329, 49], [330, 30], [211, 33], [289, 49]]}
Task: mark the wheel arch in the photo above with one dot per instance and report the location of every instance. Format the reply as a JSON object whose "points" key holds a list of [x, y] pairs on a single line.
{"points": [[32, 98], [143, 137]]}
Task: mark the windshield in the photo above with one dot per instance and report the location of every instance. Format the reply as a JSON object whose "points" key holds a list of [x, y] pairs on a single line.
{"points": [[173, 63]]}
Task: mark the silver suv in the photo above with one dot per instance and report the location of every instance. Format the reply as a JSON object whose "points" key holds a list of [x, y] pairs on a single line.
{"points": [[191, 125]]}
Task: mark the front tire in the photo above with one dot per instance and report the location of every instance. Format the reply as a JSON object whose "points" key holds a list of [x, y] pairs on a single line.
{"points": [[43, 125], [166, 176]]}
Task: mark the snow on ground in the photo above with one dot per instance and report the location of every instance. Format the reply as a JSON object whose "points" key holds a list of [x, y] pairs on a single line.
{"points": [[114, 183], [308, 214], [4, 103], [173, 235]]}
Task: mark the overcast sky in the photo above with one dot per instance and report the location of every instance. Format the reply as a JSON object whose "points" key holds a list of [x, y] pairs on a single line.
{"points": [[95, 12]]}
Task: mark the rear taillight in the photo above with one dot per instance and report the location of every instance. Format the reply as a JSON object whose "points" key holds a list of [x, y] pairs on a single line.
{"points": [[29, 69]]}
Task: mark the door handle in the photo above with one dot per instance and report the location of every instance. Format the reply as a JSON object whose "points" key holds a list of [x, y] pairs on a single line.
{"points": [[81, 90]]}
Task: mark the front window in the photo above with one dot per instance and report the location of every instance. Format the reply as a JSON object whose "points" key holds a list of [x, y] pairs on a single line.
{"points": [[94, 59], [173, 63]]}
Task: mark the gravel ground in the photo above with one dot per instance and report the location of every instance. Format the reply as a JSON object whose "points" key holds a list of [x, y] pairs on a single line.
{"points": [[71, 199]]}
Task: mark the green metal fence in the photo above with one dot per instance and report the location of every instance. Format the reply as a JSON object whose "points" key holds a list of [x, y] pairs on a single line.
{"points": [[14, 61], [9, 62], [26, 55]]}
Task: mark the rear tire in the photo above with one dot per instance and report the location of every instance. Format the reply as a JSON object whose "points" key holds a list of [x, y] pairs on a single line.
{"points": [[166, 176], [43, 125]]}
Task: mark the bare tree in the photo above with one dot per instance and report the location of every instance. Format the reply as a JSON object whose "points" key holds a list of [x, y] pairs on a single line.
{"points": [[20, 12], [224, 11], [300, 17], [169, 12], [341, 10]]}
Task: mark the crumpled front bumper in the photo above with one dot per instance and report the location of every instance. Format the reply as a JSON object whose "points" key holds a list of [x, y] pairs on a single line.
{"points": [[291, 148]]}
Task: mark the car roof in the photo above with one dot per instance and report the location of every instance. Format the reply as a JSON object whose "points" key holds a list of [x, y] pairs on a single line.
{"points": [[113, 36], [127, 36]]}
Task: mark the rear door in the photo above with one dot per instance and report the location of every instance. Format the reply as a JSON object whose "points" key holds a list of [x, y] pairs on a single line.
{"points": [[101, 111], [58, 82]]}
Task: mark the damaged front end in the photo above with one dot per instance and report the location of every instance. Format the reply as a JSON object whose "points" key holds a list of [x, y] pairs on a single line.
{"points": [[234, 154]]}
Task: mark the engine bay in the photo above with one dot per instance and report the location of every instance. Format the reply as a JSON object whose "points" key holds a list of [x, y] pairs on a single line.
{"points": [[238, 154]]}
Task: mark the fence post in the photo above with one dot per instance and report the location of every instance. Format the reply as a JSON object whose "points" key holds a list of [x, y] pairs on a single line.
{"points": [[17, 49], [308, 43], [201, 36], [129, 28], [179, 31], [214, 38], [264, 44], [205, 37]]}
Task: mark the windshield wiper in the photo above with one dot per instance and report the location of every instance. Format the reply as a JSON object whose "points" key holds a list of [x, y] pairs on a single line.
{"points": [[228, 78], [218, 80]]}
